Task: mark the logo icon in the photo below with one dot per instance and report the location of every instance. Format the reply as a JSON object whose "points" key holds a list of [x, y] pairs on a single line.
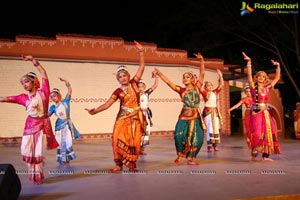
{"points": [[246, 9]]}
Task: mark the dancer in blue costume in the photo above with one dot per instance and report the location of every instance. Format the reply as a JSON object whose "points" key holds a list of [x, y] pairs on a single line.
{"points": [[65, 130]]}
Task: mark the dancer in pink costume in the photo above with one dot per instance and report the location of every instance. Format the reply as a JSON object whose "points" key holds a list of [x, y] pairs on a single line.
{"points": [[38, 130], [264, 134]]}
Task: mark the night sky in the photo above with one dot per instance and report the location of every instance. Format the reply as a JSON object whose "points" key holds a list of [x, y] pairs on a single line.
{"points": [[214, 28]]}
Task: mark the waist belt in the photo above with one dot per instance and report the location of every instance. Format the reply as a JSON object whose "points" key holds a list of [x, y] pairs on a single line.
{"points": [[130, 110]]}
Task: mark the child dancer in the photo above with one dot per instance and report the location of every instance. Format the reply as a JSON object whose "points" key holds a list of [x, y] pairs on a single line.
{"points": [[65, 130]]}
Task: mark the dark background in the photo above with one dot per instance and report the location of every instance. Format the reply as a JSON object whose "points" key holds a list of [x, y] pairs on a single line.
{"points": [[214, 28]]}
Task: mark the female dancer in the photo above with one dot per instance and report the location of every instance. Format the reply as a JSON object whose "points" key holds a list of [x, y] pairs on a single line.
{"points": [[211, 114], [129, 124], [144, 98], [64, 127], [188, 134], [297, 120], [264, 134], [247, 101], [38, 128]]}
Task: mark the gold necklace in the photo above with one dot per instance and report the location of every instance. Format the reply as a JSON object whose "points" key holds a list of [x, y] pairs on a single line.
{"points": [[191, 97], [130, 93]]}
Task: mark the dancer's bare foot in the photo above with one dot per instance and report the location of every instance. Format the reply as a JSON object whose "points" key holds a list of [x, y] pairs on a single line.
{"points": [[133, 170], [267, 159], [209, 149], [38, 182], [177, 161], [192, 163], [253, 159], [116, 169]]}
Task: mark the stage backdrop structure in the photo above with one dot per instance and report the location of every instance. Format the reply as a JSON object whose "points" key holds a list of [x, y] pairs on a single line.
{"points": [[89, 63]]}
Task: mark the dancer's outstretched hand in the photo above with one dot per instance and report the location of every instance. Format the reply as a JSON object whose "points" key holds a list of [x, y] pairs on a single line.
{"points": [[247, 58], [138, 45], [274, 62], [199, 55], [91, 111], [27, 57]]}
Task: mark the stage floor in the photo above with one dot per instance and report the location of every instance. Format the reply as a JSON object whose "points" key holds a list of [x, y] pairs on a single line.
{"points": [[226, 175]]}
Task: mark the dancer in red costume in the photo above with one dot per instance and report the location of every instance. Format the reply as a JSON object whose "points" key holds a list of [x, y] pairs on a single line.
{"points": [[248, 102]]}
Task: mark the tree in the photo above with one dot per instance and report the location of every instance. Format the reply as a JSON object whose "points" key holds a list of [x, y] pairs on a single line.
{"points": [[217, 29]]}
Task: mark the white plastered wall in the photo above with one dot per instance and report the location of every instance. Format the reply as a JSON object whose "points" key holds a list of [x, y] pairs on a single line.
{"points": [[92, 83]]}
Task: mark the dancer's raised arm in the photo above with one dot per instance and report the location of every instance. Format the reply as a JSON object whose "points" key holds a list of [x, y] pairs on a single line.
{"points": [[155, 84], [141, 68], [199, 83], [277, 75], [68, 85], [221, 80], [249, 69], [163, 77], [37, 64]]}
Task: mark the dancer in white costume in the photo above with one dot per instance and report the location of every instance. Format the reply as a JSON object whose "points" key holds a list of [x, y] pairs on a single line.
{"points": [[144, 99], [211, 113], [297, 120]]}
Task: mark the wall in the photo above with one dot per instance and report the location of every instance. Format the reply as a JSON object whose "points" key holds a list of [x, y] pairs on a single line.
{"points": [[89, 63]]}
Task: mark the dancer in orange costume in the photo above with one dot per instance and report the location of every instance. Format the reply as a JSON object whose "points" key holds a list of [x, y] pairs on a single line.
{"points": [[130, 123]]}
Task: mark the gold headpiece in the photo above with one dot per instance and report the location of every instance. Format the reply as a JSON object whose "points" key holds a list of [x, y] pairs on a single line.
{"points": [[55, 90], [142, 81], [190, 73], [246, 87], [122, 67], [261, 72]]}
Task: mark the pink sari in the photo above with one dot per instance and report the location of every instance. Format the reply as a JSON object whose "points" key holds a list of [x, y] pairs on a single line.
{"points": [[264, 133], [37, 131]]}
